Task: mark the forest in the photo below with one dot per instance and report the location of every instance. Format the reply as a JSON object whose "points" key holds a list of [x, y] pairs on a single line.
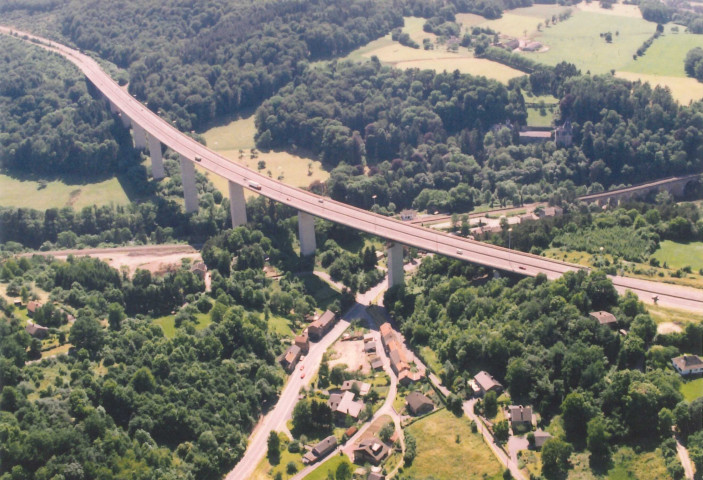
{"points": [[50, 122], [128, 402], [447, 141]]}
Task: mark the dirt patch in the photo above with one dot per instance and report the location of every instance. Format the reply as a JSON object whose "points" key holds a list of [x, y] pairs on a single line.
{"points": [[158, 259], [352, 355], [668, 327]]}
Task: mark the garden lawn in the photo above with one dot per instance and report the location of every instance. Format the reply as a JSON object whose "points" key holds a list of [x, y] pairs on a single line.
{"points": [[266, 471], [578, 41], [168, 323], [330, 466], [439, 456], [692, 390], [679, 255], [281, 326], [23, 193]]}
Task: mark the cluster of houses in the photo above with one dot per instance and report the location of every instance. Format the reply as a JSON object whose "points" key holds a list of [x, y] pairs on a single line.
{"points": [[344, 403], [402, 360], [301, 344]]}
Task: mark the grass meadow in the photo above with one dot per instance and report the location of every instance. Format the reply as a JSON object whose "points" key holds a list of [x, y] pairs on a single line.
{"points": [[692, 390], [679, 255], [440, 456], [293, 169], [24, 193], [321, 473], [578, 40]]}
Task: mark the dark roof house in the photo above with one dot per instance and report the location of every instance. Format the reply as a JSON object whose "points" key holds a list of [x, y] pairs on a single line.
{"points": [[487, 383], [290, 358], [371, 450], [36, 330], [604, 318], [322, 325], [418, 404], [321, 450]]}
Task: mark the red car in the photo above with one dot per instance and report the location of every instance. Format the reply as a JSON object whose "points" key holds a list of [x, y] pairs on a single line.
{"points": [[302, 375]]}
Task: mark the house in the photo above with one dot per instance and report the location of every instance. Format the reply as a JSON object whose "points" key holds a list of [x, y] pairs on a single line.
{"points": [[541, 437], [371, 450], [290, 358], [368, 338], [32, 307], [407, 377], [36, 331], [510, 44], [519, 415], [407, 215], [363, 387], [376, 362], [343, 404], [321, 326], [418, 404], [688, 364], [18, 303], [532, 47], [370, 347], [563, 135], [375, 476], [200, 269], [486, 383], [301, 341], [605, 318], [321, 450], [549, 212], [535, 136]]}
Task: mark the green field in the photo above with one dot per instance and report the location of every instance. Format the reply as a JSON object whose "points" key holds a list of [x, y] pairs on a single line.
{"points": [[59, 193], [679, 255], [578, 40], [522, 22], [330, 466], [439, 456], [666, 55], [298, 170], [281, 326], [692, 390], [168, 323], [627, 465]]}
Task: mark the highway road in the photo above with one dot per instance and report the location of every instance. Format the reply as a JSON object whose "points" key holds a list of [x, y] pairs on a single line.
{"points": [[388, 228]]}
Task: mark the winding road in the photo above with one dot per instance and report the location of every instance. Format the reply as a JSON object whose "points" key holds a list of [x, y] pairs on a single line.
{"points": [[385, 227]]}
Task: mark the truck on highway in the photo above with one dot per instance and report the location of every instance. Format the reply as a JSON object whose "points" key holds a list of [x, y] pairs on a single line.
{"points": [[254, 185]]}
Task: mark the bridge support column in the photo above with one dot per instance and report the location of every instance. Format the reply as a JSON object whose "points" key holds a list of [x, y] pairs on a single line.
{"points": [[113, 107], [139, 137], [306, 233], [238, 206], [395, 264], [157, 162], [126, 122], [190, 190]]}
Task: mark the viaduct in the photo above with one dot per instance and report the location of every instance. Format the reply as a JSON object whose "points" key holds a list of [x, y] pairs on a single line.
{"points": [[676, 186], [152, 132]]}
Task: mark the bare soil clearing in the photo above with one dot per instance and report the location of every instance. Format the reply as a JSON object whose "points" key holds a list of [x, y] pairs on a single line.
{"points": [[158, 259]]}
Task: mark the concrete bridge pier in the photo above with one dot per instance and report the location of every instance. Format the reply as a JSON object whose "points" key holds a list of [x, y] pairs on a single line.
{"points": [[190, 190], [157, 162], [139, 137], [395, 264], [126, 122], [238, 206], [306, 233]]}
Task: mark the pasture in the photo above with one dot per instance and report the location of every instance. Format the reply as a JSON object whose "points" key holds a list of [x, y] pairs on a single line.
{"points": [[399, 56], [294, 169], [522, 22], [578, 40], [440, 456], [67, 192], [683, 89], [679, 255]]}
